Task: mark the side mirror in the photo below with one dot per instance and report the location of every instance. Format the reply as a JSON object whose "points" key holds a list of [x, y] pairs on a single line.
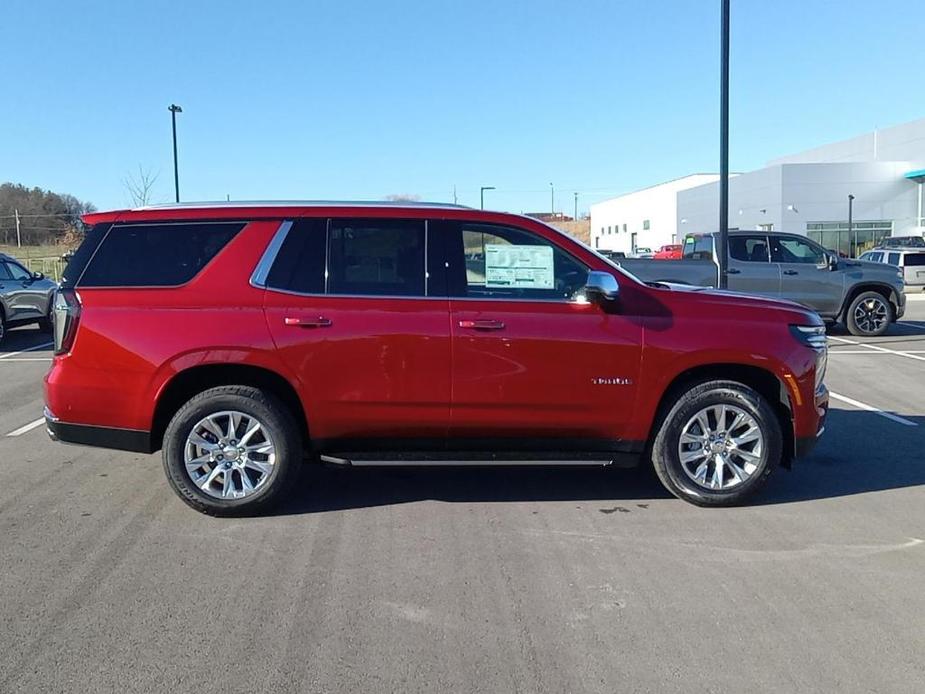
{"points": [[601, 287], [38, 276], [832, 259]]}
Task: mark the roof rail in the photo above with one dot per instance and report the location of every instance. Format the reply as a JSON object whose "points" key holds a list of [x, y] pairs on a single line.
{"points": [[301, 203]]}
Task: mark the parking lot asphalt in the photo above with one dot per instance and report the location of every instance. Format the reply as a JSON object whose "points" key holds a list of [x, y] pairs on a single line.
{"points": [[482, 580]]}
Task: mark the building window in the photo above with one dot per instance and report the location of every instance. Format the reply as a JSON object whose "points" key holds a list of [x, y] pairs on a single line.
{"points": [[609, 230], [645, 224], [863, 236], [624, 228]]}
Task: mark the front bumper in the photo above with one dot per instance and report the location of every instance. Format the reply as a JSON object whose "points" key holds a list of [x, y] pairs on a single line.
{"points": [[100, 437], [803, 445]]}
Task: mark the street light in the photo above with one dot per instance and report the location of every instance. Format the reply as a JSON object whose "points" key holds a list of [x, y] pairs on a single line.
{"points": [[851, 224], [482, 195], [552, 199], [723, 250], [174, 110], [576, 205]]}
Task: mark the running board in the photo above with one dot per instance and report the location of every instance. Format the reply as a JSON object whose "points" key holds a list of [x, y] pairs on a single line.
{"points": [[468, 462]]}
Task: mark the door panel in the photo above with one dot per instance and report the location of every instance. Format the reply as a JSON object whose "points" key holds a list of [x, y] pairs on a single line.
{"points": [[750, 268], [806, 276], [368, 367], [545, 370], [25, 297]]}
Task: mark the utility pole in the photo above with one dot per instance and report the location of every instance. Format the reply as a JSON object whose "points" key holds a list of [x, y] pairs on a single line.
{"points": [[174, 110], [18, 237], [552, 199], [482, 195], [851, 224], [455, 199], [576, 205], [722, 252]]}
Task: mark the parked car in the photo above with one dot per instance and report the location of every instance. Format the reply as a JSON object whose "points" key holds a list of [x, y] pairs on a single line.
{"points": [[865, 296], [910, 261], [902, 242], [642, 252], [612, 255], [25, 296], [669, 252], [242, 339]]}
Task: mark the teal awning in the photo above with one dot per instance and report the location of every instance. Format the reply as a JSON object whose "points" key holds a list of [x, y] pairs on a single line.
{"points": [[916, 174]]}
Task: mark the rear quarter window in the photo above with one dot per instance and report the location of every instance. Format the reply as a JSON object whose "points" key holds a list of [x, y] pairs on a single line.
{"points": [[156, 255], [915, 259]]}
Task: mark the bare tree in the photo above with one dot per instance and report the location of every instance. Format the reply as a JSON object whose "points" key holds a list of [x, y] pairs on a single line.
{"points": [[403, 197], [139, 187]]}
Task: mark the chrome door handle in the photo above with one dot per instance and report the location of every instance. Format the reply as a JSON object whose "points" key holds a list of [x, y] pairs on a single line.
{"points": [[481, 324], [791, 272], [319, 322], [732, 271]]}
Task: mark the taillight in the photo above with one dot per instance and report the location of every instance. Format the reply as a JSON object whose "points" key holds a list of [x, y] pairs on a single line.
{"points": [[67, 316]]}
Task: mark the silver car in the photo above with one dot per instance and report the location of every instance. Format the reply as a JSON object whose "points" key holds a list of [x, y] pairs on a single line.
{"points": [[911, 260], [25, 297]]}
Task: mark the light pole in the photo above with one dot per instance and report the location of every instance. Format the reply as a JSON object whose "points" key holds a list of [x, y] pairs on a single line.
{"points": [[722, 253], [576, 205], [851, 224], [174, 110], [482, 195], [552, 199]]}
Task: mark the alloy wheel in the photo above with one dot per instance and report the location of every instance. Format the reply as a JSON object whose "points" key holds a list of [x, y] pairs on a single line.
{"points": [[871, 314], [229, 455], [721, 447]]}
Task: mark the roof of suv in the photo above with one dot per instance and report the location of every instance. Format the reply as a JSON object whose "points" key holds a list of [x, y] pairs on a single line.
{"points": [[292, 208]]}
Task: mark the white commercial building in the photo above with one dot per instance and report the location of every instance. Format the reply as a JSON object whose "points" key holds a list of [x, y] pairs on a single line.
{"points": [[646, 218], [808, 193]]}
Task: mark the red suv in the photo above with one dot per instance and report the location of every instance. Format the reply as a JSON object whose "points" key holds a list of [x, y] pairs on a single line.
{"points": [[244, 339]]}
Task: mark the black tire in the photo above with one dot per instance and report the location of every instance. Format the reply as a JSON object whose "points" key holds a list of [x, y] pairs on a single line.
{"points": [[270, 412], [2, 326], [665, 455], [47, 324], [859, 328]]}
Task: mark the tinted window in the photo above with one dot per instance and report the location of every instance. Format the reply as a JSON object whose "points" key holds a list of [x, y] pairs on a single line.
{"points": [[698, 247], [78, 262], [752, 249], [376, 257], [915, 259], [18, 273], [790, 250], [299, 265], [893, 259], [4, 273], [156, 255], [505, 263], [876, 257]]}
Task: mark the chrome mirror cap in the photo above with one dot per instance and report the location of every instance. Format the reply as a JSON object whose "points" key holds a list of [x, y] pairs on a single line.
{"points": [[601, 285]]}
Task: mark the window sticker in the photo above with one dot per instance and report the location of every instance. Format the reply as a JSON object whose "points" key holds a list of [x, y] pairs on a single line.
{"points": [[519, 267]]}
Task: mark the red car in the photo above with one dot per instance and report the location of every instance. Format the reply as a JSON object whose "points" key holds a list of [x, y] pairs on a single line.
{"points": [[244, 339], [669, 252]]}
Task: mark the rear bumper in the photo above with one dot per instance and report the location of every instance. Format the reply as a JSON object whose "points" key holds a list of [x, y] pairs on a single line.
{"points": [[100, 437]]}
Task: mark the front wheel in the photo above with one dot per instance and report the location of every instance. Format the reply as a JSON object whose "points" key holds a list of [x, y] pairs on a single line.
{"points": [[232, 450], [718, 444], [869, 315]]}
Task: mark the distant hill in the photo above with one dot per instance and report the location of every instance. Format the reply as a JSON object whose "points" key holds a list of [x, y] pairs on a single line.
{"points": [[45, 217]]}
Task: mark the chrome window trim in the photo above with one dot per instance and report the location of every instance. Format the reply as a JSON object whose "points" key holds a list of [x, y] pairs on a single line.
{"points": [[262, 271], [409, 297]]}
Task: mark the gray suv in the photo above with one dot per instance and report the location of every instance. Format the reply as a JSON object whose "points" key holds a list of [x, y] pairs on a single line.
{"points": [[865, 296], [25, 297]]}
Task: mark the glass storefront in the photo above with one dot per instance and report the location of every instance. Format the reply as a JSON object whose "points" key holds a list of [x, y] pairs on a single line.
{"points": [[863, 235]]}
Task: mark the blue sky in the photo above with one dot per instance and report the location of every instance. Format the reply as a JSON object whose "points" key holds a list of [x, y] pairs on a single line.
{"points": [[287, 99]]}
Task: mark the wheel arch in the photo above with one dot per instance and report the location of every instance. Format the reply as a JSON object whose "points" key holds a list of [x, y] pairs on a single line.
{"points": [[885, 290], [187, 383], [764, 382]]}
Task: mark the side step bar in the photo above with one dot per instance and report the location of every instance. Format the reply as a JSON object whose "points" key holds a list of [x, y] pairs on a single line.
{"points": [[468, 462]]}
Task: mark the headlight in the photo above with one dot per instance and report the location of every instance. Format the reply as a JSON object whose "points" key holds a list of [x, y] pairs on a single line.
{"points": [[810, 335]]}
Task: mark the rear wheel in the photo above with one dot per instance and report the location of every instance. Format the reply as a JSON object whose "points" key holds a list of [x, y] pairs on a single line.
{"points": [[232, 450], [2, 326], [869, 315], [718, 444]]}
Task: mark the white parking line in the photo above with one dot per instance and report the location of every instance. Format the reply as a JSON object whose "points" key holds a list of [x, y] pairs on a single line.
{"points": [[870, 408], [867, 351], [27, 428], [877, 348], [28, 349], [6, 361]]}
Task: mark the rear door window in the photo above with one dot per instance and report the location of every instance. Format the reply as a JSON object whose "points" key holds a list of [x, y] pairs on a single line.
{"points": [[893, 259], [749, 249], [376, 257], [4, 272], [156, 255]]}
